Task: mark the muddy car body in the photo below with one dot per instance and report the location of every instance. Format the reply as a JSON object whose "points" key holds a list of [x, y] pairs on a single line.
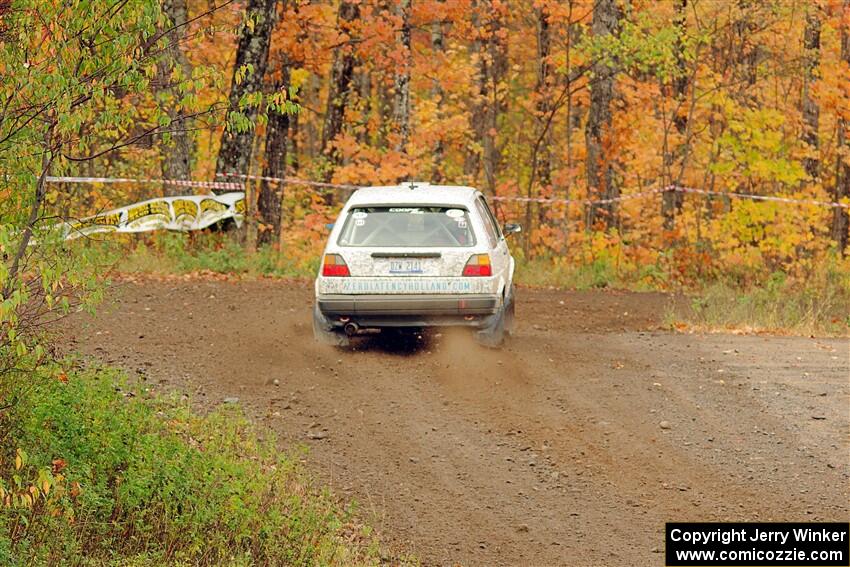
{"points": [[414, 256]]}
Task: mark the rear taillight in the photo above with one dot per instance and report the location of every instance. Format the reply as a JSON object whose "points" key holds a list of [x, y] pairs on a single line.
{"points": [[478, 265], [334, 266]]}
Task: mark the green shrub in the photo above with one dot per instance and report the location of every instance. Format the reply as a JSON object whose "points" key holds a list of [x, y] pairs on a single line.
{"points": [[818, 306], [551, 271], [182, 253], [116, 477]]}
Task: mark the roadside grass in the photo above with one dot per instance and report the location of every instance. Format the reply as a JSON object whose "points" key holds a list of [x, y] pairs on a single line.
{"points": [[819, 308], [95, 472], [750, 302], [185, 253], [601, 273], [741, 302]]}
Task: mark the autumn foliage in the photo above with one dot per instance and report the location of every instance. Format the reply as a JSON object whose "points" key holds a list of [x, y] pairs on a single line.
{"points": [[566, 101], [513, 97]]}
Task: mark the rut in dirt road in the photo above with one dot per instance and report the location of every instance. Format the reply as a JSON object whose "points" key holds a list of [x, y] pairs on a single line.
{"points": [[548, 452]]}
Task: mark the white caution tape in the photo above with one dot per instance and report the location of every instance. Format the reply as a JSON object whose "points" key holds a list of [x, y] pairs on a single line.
{"points": [[673, 189], [561, 201], [235, 186], [191, 212], [547, 201], [295, 181], [751, 197], [177, 182]]}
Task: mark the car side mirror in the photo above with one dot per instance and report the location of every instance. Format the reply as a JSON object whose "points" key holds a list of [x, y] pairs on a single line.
{"points": [[511, 228]]}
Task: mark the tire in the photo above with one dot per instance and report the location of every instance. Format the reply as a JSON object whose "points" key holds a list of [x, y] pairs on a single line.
{"points": [[324, 332]]}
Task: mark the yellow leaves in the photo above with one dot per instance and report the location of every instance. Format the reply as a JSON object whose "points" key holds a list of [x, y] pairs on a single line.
{"points": [[27, 486], [298, 77]]}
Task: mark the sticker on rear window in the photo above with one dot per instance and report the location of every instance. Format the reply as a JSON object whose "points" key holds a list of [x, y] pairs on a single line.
{"points": [[359, 214], [359, 222], [454, 213]]}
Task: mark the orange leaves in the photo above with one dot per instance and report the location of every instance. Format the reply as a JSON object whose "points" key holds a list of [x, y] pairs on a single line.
{"points": [[28, 488], [371, 166]]}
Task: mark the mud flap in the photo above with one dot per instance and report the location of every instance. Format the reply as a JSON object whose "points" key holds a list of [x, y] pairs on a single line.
{"points": [[324, 332], [502, 326], [510, 312]]}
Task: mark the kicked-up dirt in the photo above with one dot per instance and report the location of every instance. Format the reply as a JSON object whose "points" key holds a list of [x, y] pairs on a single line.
{"points": [[571, 446]]}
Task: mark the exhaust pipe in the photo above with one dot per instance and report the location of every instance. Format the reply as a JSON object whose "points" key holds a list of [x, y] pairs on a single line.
{"points": [[351, 329]]}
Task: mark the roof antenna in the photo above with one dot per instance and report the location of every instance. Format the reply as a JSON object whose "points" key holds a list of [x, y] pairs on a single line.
{"points": [[412, 185]]}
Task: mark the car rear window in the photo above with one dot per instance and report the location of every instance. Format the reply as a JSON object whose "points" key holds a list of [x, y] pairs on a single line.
{"points": [[400, 227]]}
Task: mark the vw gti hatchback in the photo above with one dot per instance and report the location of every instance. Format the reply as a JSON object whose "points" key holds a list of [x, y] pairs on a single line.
{"points": [[414, 256]]}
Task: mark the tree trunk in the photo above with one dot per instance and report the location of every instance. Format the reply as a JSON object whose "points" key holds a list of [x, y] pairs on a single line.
{"points": [[744, 52], [842, 178], [570, 32], [811, 111], [544, 102], [671, 202], [498, 55], [292, 148], [311, 130], [472, 162], [438, 47], [364, 93], [601, 176], [253, 49], [490, 51], [542, 160], [271, 193], [342, 72], [177, 154], [401, 104], [385, 98]]}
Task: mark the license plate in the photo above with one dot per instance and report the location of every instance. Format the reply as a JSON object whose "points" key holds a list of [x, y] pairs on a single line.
{"points": [[405, 266]]}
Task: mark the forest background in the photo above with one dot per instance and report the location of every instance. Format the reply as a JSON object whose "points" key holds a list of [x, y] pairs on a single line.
{"points": [[548, 101]]}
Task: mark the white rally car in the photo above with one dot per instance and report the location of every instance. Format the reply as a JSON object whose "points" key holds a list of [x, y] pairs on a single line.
{"points": [[413, 256]]}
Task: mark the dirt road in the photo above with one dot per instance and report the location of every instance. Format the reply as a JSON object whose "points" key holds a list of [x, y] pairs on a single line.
{"points": [[572, 446]]}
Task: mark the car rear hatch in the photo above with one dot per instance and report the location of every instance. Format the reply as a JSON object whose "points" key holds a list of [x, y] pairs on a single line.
{"points": [[414, 241], [398, 263]]}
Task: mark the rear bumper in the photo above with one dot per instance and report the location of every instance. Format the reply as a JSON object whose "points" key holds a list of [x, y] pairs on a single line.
{"points": [[462, 304], [474, 310]]}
